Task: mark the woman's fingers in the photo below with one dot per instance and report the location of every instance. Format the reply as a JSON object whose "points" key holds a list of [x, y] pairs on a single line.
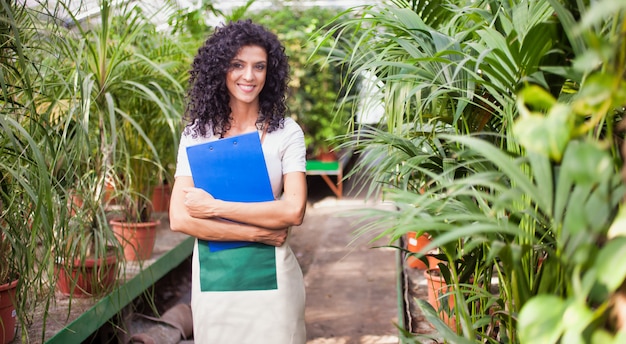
{"points": [[273, 237]]}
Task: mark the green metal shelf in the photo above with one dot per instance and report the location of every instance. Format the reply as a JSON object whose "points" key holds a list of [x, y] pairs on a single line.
{"points": [[90, 321]]}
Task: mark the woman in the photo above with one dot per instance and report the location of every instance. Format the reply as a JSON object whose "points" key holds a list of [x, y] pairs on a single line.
{"points": [[237, 85]]}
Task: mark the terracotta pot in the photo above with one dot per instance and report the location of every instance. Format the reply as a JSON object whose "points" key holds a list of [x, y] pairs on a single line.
{"points": [[87, 279], [416, 244], [161, 198], [437, 290], [137, 239], [326, 156], [433, 262], [8, 317]]}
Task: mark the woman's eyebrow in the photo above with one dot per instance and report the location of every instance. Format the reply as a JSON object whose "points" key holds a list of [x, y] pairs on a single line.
{"points": [[240, 60]]}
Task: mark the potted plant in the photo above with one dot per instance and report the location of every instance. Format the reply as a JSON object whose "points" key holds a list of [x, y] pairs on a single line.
{"points": [[8, 285], [161, 197], [154, 117], [31, 191], [416, 244], [85, 253], [136, 103], [30, 214], [440, 296], [88, 259]]}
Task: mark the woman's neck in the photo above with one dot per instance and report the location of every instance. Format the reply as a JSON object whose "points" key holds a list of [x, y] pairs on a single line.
{"points": [[243, 119], [244, 111]]}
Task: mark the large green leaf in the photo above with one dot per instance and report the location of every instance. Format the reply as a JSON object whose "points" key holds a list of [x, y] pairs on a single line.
{"points": [[610, 274], [541, 320], [549, 133]]}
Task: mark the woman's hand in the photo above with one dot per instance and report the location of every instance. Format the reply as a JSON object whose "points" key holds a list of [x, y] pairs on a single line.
{"points": [[199, 203], [189, 214], [272, 237]]}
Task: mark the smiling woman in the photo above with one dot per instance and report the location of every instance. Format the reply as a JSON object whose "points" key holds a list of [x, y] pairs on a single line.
{"points": [[252, 289]]}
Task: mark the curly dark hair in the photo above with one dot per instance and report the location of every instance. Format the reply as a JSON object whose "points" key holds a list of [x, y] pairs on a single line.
{"points": [[207, 96]]}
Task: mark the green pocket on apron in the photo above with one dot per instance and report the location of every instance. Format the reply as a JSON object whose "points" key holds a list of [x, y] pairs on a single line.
{"points": [[251, 267]]}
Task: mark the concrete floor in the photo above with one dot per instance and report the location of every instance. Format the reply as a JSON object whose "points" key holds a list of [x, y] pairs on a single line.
{"points": [[351, 286]]}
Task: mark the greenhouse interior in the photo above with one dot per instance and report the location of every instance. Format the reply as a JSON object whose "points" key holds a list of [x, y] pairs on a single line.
{"points": [[447, 160]]}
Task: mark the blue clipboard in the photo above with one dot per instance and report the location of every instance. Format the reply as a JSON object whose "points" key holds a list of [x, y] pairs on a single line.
{"points": [[231, 169]]}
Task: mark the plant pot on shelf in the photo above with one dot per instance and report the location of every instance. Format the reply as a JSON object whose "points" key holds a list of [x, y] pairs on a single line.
{"points": [[137, 239], [440, 297], [161, 198], [415, 244], [8, 316], [87, 277], [326, 155]]}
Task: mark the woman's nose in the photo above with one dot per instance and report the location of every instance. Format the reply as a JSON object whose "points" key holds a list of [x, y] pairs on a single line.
{"points": [[248, 74]]}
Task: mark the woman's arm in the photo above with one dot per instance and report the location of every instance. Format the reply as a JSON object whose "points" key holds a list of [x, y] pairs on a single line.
{"points": [[285, 212], [215, 228]]}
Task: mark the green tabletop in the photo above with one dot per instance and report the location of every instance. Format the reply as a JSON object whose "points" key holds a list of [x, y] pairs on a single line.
{"points": [[316, 165]]}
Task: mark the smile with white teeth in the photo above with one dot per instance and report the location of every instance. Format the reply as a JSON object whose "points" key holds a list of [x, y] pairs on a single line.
{"points": [[247, 88]]}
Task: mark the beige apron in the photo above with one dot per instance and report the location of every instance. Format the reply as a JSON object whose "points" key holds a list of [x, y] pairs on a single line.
{"points": [[254, 316]]}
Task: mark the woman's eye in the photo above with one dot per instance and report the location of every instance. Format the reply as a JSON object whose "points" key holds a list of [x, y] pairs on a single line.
{"points": [[260, 67], [236, 65]]}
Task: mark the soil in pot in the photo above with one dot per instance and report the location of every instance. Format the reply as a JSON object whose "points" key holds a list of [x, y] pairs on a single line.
{"points": [[8, 316]]}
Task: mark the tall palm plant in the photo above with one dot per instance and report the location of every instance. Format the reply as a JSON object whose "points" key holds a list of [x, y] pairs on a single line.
{"points": [[33, 159], [68, 117], [461, 74], [492, 204], [133, 96]]}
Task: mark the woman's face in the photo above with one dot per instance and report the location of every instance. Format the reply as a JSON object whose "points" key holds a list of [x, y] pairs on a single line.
{"points": [[246, 75]]}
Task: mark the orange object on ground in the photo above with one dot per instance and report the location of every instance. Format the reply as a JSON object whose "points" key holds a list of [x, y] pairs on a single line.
{"points": [[416, 244]]}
